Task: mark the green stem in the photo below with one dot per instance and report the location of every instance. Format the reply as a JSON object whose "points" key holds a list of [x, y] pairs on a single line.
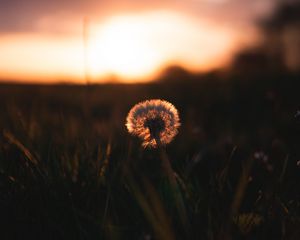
{"points": [[167, 168]]}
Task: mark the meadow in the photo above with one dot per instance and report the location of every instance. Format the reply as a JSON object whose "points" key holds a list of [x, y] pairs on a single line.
{"points": [[70, 170]]}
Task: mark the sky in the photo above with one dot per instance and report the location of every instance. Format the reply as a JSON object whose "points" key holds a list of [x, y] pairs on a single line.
{"points": [[131, 40]]}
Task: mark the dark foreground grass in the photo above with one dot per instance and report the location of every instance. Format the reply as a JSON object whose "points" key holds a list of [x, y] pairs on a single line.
{"points": [[69, 170]]}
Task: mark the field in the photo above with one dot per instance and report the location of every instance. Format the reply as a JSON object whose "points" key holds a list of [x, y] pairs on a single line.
{"points": [[70, 170]]}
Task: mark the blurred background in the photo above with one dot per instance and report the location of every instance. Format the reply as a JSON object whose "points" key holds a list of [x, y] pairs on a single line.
{"points": [[71, 70], [135, 41]]}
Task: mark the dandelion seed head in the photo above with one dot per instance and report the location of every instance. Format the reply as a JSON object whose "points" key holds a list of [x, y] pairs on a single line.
{"points": [[153, 121]]}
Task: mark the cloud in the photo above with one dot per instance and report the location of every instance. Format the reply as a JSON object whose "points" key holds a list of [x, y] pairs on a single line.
{"points": [[30, 15], [23, 16]]}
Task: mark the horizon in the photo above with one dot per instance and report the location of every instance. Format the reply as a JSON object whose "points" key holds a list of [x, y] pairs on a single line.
{"points": [[129, 42]]}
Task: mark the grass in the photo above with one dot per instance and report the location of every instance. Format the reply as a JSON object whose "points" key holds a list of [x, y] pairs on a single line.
{"points": [[69, 170]]}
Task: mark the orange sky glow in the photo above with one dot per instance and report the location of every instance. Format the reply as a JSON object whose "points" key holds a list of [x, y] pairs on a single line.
{"points": [[128, 46]]}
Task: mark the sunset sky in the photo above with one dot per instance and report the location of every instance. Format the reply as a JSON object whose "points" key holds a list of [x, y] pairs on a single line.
{"points": [[132, 40]]}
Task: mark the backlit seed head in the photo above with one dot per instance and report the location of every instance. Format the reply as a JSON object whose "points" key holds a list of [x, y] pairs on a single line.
{"points": [[155, 121]]}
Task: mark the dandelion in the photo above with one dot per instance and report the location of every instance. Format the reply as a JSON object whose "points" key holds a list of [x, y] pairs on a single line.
{"points": [[155, 121]]}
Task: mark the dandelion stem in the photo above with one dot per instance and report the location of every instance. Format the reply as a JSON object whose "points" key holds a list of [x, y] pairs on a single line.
{"points": [[167, 168]]}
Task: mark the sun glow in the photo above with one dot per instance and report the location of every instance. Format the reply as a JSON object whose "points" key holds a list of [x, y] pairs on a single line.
{"points": [[138, 46], [131, 48], [40, 58], [121, 47]]}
